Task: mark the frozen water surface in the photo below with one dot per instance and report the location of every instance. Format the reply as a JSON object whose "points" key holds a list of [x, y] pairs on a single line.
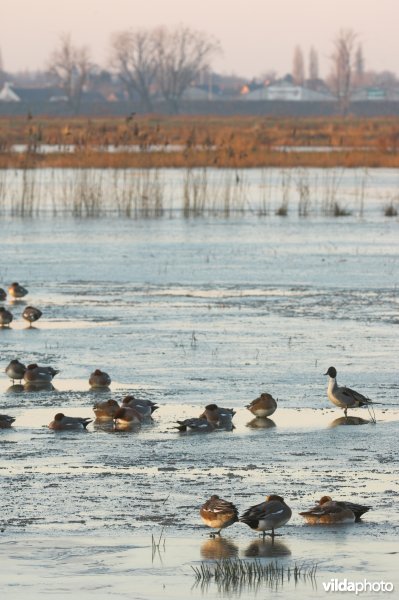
{"points": [[185, 313]]}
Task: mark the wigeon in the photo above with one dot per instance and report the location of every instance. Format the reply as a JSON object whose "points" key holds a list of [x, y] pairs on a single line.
{"points": [[218, 513], [267, 516]]}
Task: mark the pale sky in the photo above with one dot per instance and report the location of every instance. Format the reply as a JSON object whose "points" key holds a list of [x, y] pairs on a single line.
{"points": [[255, 35]]}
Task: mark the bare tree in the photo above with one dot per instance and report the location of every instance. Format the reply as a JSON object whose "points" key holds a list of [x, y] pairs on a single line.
{"points": [[181, 55], [313, 64], [133, 58], [70, 66], [298, 66], [359, 66], [342, 67]]}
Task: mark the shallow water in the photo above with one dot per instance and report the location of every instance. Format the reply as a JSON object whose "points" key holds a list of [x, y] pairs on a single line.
{"points": [[186, 313]]}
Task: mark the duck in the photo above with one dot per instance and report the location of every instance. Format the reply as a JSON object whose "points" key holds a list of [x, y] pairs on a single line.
{"points": [[16, 290], [218, 416], [268, 515], [328, 512], [144, 407], [31, 314], [6, 421], [126, 418], [342, 396], [264, 406], [15, 370], [99, 379], [195, 425], [3, 294], [218, 513], [105, 411], [61, 422], [5, 317], [357, 509], [36, 374]]}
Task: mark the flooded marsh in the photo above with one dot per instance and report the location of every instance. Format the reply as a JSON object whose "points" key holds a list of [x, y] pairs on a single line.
{"points": [[213, 308]]}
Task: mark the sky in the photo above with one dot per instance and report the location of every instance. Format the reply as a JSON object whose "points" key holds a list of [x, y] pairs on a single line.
{"points": [[256, 36]]}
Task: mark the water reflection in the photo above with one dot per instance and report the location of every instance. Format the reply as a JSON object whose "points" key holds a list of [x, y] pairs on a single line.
{"points": [[218, 548], [261, 423], [267, 548], [101, 425], [17, 388], [44, 386], [349, 421]]}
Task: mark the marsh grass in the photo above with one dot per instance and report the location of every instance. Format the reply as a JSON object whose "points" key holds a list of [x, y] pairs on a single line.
{"points": [[233, 574]]}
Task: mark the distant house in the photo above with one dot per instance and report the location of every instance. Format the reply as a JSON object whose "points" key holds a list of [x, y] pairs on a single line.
{"points": [[7, 94], [286, 90], [374, 94]]}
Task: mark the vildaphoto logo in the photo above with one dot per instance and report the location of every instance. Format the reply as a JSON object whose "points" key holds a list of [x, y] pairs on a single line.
{"points": [[358, 587]]}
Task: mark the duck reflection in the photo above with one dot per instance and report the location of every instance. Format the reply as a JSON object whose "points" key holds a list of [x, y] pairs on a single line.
{"points": [[349, 421], [218, 548], [266, 548], [17, 388], [44, 386], [100, 425], [261, 423]]}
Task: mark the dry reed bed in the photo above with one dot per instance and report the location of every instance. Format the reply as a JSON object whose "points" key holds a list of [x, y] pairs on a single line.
{"points": [[231, 142]]}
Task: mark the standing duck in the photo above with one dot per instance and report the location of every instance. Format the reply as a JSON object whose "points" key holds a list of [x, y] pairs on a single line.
{"points": [[31, 314], [218, 513], [264, 406], [16, 290], [5, 317], [3, 294], [342, 396], [268, 515], [15, 370]]}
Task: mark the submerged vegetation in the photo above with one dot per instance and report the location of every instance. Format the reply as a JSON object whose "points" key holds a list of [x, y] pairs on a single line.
{"points": [[91, 168], [233, 574]]}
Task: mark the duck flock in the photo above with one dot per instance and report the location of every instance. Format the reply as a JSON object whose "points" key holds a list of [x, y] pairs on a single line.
{"points": [[217, 513]]}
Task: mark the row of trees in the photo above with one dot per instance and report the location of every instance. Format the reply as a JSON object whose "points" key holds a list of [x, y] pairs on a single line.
{"points": [[168, 59], [154, 63]]}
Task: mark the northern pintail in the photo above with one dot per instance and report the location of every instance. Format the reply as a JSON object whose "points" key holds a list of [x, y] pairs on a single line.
{"points": [[31, 314], [126, 418], [218, 416], [5, 317], [6, 421], [105, 411], [218, 513], [15, 370], [195, 425], [144, 407], [16, 290], [328, 512], [61, 422], [267, 516], [39, 374], [99, 379], [342, 396], [263, 406]]}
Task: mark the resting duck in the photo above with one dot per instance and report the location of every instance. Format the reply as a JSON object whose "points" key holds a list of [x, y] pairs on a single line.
{"points": [[127, 418], [219, 417], [15, 370], [328, 512], [38, 375], [5, 317], [3, 294], [61, 422], [17, 291], [218, 513], [6, 421], [326, 501], [195, 425], [99, 379], [144, 407], [105, 411], [267, 516], [264, 406], [31, 314]]}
